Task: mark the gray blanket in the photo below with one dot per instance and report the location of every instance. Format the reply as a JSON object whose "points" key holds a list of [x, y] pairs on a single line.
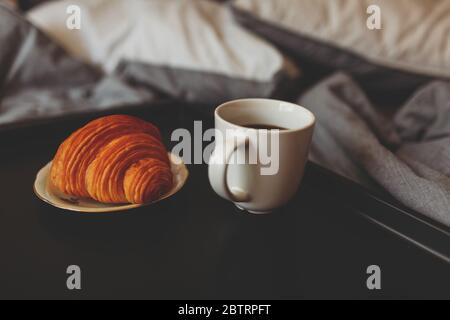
{"points": [[408, 155], [39, 80]]}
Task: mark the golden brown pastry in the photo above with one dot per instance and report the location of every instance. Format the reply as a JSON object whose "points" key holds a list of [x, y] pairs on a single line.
{"points": [[115, 159]]}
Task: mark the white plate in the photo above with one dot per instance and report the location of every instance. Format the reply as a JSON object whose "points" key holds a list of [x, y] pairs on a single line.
{"points": [[45, 191]]}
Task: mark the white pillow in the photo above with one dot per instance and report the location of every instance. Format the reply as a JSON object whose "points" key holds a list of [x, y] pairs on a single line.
{"points": [[188, 34], [415, 34]]}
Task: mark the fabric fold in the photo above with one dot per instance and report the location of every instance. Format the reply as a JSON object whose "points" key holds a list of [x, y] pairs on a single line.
{"points": [[39, 80], [353, 139]]}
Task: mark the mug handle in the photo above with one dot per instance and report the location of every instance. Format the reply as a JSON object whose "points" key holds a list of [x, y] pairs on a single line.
{"points": [[218, 171]]}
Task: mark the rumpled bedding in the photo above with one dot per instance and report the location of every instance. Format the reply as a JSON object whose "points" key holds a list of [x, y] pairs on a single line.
{"points": [[191, 50], [38, 80], [188, 50], [408, 154]]}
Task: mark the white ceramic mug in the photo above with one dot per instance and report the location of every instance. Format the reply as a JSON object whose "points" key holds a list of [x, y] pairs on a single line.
{"points": [[245, 183]]}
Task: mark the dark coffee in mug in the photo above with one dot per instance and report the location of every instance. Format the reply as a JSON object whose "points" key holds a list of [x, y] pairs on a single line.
{"points": [[259, 126]]}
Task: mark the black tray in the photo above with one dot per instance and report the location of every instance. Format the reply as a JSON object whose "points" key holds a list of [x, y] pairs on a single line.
{"points": [[378, 207], [197, 245]]}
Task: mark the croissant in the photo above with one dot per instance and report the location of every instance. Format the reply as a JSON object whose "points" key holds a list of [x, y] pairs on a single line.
{"points": [[114, 159]]}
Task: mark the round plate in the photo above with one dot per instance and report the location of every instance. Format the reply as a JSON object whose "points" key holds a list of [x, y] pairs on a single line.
{"points": [[45, 190]]}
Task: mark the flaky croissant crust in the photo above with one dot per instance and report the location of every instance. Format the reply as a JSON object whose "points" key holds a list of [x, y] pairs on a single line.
{"points": [[114, 159]]}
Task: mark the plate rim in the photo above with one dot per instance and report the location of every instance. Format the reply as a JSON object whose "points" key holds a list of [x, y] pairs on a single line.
{"points": [[121, 209]]}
